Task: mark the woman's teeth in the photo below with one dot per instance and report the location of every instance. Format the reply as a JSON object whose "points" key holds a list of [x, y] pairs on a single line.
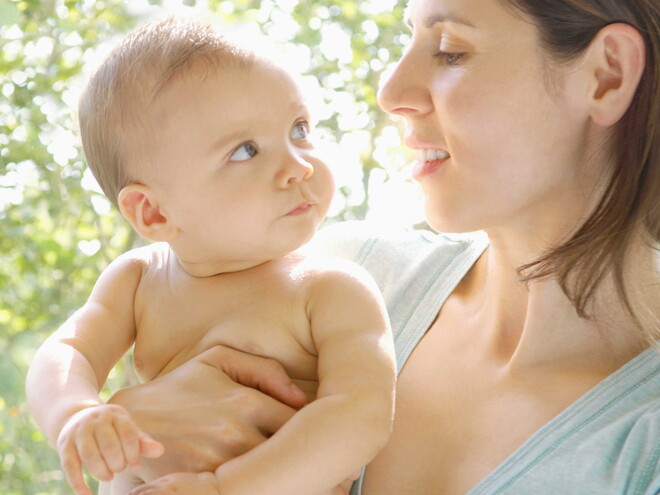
{"points": [[427, 155]]}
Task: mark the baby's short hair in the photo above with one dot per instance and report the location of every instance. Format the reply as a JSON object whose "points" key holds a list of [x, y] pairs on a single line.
{"points": [[119, 94]]}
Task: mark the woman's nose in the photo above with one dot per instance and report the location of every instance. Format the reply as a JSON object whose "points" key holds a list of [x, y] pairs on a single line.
{"points": [[294, 169], [405, 92]]}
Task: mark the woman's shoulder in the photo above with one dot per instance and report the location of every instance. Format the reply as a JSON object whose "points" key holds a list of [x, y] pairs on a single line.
{"points": [[414, 269], [616, 426], [361, 240]]}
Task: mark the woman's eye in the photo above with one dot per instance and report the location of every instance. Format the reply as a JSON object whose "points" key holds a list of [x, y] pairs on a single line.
{"points": [[300, 130], [244, 152], [451, 59]]}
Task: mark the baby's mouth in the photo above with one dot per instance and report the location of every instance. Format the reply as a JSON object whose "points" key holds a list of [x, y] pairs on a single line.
{"points": [[301, 208]]}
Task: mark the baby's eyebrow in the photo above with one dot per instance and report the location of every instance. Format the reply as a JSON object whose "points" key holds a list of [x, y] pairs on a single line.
{"points": [[299, 107], [222, 141]]}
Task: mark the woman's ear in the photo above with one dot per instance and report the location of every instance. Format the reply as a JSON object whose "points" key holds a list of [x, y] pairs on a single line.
{"points": [[617, 57], [139, 206]]}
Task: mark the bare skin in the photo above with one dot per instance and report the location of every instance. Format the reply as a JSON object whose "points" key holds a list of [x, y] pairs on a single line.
{"points": [[224, 270], [490, 391], [290, 329], [521, 160], [524, 159], [256, 386]]}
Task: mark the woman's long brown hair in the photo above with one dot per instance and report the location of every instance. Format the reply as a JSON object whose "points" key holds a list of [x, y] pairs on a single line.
{"points": [[629, 210]]}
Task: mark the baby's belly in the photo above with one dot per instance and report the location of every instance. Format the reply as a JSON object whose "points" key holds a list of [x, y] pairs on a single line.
{"points": [[278, 344]]}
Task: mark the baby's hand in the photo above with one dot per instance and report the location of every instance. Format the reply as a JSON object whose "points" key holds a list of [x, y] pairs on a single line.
{"points": [[105, 440], [180, 483]]}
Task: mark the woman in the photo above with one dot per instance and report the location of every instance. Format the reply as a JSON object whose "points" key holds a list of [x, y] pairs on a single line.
{"points": [[532, 351]]}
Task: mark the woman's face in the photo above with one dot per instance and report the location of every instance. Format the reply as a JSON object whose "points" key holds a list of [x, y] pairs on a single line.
{"points": [[500, 138]]}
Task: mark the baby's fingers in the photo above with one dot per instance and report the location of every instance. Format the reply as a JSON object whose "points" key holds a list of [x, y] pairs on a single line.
{"points": [[107, 438], [72, 468], [92, 459], [129, 437], [135, 442], [149, 447]]}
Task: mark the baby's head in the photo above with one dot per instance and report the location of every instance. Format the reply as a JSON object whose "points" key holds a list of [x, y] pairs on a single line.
{"points": [[204, 145], [115, 110]]}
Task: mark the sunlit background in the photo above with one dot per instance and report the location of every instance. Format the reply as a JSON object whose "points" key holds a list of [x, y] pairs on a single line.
{"points": [[58, 230]]}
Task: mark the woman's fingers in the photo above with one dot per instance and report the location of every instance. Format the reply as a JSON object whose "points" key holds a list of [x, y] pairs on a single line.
{"points": [[261, 412], [257, 372], [208, 410], [345, 487], [181, 483], [356, 475]]}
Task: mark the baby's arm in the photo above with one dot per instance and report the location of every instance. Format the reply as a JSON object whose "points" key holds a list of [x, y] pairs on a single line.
{"points": [[351, 420], [68, 371]]}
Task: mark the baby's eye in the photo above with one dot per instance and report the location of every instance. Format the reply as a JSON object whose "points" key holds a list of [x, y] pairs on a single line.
{"points": [[300, 130], [244, 152]]}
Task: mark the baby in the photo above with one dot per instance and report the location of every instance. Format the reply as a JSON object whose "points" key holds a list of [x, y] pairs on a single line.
{"points": [[204, 148]]}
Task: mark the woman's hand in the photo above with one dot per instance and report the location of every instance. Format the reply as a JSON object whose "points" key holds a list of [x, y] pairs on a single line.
{"points": [[206, 484], [179, 484], [211, 409], [345, 487]]}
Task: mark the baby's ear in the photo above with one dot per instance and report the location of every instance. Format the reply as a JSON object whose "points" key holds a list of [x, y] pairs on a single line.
{"points": [[139, 206]]}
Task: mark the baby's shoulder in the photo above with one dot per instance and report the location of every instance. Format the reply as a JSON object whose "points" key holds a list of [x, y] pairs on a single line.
{"points": [[152, 253], [322, 270], [149, 257]]}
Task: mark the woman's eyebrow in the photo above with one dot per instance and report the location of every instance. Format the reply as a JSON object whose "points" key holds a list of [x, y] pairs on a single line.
{"points": [[434, 19]]}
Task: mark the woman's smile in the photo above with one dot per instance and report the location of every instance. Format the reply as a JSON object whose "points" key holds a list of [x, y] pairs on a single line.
{"points": [[429, 164]]}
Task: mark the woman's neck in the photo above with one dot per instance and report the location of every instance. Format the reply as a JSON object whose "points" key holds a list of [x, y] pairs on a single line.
{"points": [[535, 324]]}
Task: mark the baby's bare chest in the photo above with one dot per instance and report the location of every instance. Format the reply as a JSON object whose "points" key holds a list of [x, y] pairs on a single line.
{"points": [[262, 316]]}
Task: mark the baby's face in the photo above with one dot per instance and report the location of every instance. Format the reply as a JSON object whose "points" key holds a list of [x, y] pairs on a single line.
{"points": [[236, 172]]}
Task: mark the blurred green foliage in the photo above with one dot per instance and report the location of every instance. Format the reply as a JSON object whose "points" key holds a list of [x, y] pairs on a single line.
{"points": [[57, 231]]}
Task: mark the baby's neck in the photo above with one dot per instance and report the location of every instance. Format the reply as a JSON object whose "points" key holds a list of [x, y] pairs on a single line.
{"points": [[210, 268]]}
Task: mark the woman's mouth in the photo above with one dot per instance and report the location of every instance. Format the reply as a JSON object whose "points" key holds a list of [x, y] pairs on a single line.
{"points": [[430, 155], [428, 161]]}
